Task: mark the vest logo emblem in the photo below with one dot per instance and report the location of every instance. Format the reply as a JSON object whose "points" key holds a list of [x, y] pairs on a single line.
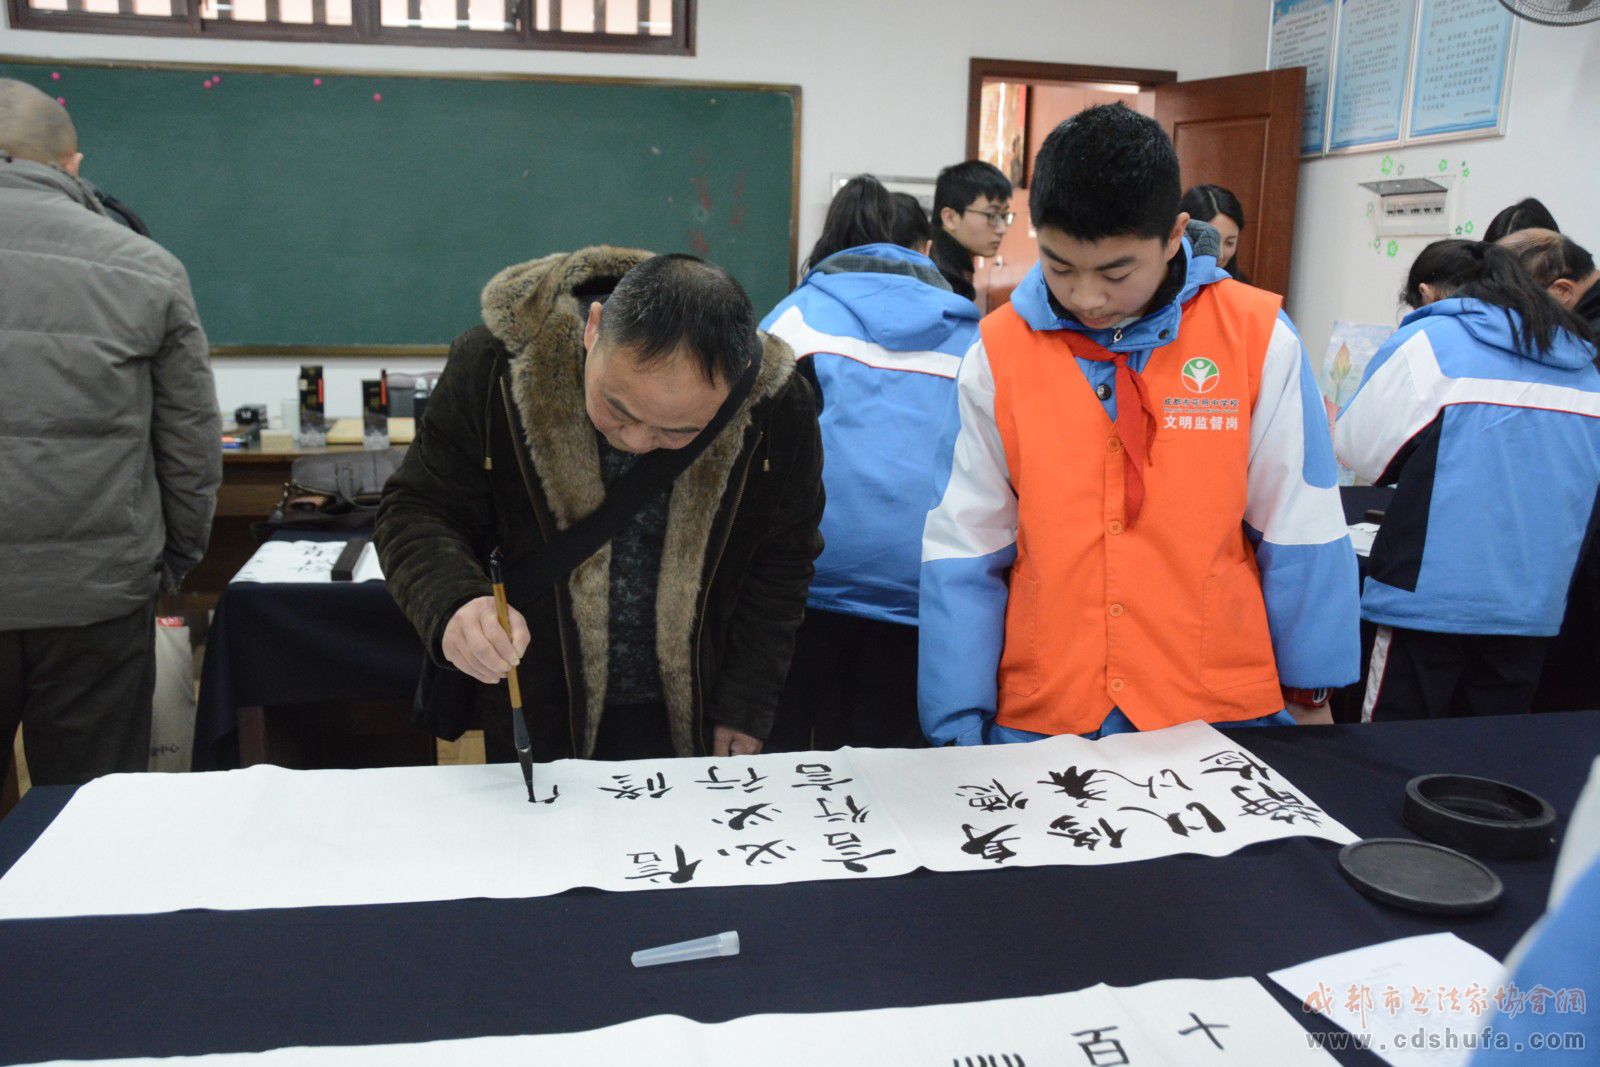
{"points": [[1200, 375]]}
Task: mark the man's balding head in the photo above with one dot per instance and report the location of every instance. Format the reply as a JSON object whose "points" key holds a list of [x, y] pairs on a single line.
{"points": [[34, 127]]}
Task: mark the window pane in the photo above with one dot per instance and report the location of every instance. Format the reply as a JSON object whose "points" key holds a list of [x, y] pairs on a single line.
{"points": [[278, 12], [622, 16], [614, 18], [488, 15], [577, 16], [151, 8], [660, 22]]}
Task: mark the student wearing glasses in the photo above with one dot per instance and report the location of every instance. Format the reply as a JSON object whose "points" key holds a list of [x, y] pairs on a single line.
{"points": [[972, 209]]}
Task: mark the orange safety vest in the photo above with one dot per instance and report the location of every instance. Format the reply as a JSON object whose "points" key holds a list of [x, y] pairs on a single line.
{"points": [[1164, 620]]}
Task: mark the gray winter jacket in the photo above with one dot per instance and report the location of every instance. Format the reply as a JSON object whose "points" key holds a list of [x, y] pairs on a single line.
{"points": [[109, 435]]}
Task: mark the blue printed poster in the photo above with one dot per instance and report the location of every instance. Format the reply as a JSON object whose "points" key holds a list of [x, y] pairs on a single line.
{"points": [[1302, 36], [1369, 81], [1462, 56]]}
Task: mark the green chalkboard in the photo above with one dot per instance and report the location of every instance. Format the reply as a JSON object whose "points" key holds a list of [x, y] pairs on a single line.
{"points": [[338, 209]]}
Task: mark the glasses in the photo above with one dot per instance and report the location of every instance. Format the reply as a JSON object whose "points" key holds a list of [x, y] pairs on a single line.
{"points": [[996, 218]]}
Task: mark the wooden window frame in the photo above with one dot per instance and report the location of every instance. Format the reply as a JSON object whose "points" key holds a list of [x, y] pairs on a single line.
{"points": [[366, 28]]}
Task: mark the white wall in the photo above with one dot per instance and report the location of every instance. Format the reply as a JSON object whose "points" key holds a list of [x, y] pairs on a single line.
{"points": [[1551, 150], [884, 84]]}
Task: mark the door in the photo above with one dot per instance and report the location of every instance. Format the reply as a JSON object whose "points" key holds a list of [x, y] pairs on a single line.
{"points": [[1243, 132]]}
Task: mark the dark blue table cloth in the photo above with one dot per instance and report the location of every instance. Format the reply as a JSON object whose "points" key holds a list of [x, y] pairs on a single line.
{"points": [[289, 643], [199, 981]]}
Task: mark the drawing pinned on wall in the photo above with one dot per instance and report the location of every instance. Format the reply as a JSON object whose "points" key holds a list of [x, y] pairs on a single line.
{"points": [[1465, 229], [1393, 248], [1386, 165], [1350, 348]]}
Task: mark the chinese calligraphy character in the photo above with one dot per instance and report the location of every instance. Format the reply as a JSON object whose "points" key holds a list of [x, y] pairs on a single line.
{"points": [[742, 817], [1079, 785], [989, 846], [1232, 761], [1086, 836], [852, 812], [852, 853], [992, 798], [1284, 807], [1206, 1028], [750, 784], [1102, 1051], [761, 854], [1175, 821], [650, 868], [819, 775], [654, 786], [1149, 784]]}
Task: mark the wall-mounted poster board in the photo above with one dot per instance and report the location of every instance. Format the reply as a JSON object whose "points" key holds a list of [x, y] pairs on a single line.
{"points": [[1302, 36], [1463, 69], [1369, 75], [1385, 73]]}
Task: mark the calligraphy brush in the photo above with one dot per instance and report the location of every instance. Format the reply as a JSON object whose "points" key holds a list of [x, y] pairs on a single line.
{"points": [[519, 722]]}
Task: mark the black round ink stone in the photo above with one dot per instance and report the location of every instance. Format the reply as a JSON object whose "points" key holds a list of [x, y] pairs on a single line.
{"points": [[1480, 816], [1419, 876]]}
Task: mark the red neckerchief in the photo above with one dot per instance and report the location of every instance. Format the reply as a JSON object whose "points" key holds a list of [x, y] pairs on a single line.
{"points": [[1136, 439]]}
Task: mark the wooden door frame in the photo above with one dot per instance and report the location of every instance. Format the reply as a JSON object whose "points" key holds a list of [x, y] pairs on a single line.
{"points": [[980, 70], [1280, 191]]}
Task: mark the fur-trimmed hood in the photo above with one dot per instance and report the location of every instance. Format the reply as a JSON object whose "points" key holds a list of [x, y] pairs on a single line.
{"points": [[538, 310]]}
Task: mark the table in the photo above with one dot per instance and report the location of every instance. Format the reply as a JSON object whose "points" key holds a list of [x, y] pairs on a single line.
{"points": [[281, 644], [197, 982], [252, 484]]}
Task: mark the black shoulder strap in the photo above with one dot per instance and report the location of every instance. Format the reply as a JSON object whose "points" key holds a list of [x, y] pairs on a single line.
{"points": [[528, 578]]}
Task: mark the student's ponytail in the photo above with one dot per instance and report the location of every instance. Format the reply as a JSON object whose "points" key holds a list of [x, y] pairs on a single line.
{"points": [[862, 213], [1478, 270]]}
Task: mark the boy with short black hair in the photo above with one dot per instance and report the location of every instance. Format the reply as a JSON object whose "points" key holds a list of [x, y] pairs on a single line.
{"points": [[971, 214], [1137, 524]]}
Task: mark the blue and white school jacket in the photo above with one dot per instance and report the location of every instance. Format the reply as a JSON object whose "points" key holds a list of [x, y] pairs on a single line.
{"points": [[884, 336], [1497, 455]]}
